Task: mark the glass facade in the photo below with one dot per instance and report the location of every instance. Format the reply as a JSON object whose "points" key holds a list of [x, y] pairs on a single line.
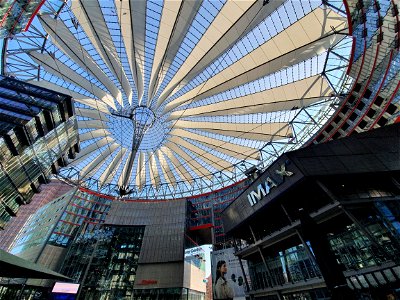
{"points": [[290, 266], [37, 131], [58, 222], [206, 209], [32, 239], [364, 240], [48, 193], [105, 261], [15, 15], [168, 293], [371, 242]]}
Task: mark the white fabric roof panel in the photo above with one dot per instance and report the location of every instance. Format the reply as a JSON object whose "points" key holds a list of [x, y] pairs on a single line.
{"points": [[169, 95], [95, 164], [229, 14], [90, 149], [179, 168], [112, 168], [186, 13], [297, 94], [93, 103], [203, 154], [199, 169], [126, 174], [132, 16], [251, 17], [165, 168], [154, 176], [234, 150], [97, 133], [90, 17], [252, 131], [92, 124], [65, 41], [57, 68], [284, 43], [170, 13], [141, 171], [90, 113]]}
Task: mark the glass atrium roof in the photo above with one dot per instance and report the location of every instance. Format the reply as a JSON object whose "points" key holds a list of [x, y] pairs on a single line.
{"points": [[176, 98]]}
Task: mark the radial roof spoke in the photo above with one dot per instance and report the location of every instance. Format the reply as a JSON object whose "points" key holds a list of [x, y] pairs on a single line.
{"points": [[93, 103], [112, 168], [277, 53], [57, 68], [96, 163], [65, 41], [293, 95], [90, 17], [141, 171], [132, 18]]}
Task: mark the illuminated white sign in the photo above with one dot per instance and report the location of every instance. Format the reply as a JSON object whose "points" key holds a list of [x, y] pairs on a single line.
{"points": [[65, 288], [264, 188]]}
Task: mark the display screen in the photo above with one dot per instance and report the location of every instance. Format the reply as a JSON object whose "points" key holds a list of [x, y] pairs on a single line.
{"points": [[65, 288]]}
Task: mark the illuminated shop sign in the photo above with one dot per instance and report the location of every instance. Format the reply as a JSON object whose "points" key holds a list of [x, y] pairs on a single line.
{"points": [[264, 188], [148, 282]]}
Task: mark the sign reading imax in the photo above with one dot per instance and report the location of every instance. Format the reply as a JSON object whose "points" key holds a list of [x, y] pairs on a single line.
{"points": [[264, 189]]}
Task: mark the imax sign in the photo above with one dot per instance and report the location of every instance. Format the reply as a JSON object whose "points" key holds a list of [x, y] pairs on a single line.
{"points": [[265, 187]]}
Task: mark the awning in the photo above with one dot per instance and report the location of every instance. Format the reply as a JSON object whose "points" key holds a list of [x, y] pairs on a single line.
{"points": [[15, 267]]}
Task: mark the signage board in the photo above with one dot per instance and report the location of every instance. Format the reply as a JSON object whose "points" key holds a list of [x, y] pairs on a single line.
{"points": [[65, 288], [225, 264]]}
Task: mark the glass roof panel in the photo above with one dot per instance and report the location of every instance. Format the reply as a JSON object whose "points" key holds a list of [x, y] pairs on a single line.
{"points": [[173, 61]]}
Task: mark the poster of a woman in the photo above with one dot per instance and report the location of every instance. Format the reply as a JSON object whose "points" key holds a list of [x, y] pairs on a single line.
{"points": [[222, 288]]}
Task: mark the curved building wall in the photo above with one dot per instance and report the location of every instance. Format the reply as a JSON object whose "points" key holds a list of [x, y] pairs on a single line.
{"points": [[373, 100]]}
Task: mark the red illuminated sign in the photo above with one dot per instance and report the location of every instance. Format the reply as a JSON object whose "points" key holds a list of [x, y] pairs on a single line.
{"points": [[148, 281]]}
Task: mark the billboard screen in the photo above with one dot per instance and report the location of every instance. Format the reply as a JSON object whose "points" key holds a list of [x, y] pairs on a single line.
{"points": [[65, 288], [227, 277]]}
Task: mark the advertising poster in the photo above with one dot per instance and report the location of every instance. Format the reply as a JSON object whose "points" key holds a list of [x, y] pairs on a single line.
{"points": [[194, 269], [227, 277], [196, 256]]}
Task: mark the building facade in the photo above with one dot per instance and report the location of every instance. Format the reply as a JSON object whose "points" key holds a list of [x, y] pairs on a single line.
{"points": [[17, 15], [54, 189], [50, 232], [38, 131], [205, 213], [124, 248], [323, 221], [114, 248], [373, 99]]}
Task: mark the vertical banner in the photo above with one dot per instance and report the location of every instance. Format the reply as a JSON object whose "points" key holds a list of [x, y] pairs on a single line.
{"points": [[227, 277]]}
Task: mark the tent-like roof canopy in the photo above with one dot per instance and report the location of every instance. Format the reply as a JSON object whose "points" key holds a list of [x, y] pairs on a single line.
{"points": [[174, 97]]}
